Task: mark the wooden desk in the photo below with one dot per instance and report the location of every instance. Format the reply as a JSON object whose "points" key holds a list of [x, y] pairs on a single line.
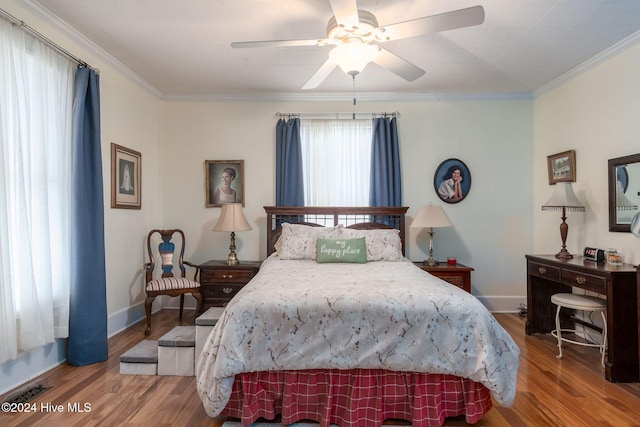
{"points": [[548, 275]]}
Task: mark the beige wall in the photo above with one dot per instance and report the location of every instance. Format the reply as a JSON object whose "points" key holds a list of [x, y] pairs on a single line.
{"points": [[597, 114], [492, 225]]}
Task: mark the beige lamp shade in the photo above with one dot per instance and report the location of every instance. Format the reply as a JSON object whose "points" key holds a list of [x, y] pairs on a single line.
{"points": [[563, 197], [431, 216], [232, 218]]}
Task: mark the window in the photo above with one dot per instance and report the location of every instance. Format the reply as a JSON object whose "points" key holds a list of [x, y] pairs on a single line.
{"points": [[336, 161], [35, 191]]}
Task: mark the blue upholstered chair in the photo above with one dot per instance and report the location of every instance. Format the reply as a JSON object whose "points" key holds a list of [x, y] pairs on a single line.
{"points": [[168, 283]]}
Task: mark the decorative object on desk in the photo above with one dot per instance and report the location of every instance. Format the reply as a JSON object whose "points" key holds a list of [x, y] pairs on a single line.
{"points": [[563, 198], [232, 219], [126, 167], [562, 167], [452, 181], [624, 191], [431, 216], [452, 260], [593, 254], [614, 257], [224, 182]]}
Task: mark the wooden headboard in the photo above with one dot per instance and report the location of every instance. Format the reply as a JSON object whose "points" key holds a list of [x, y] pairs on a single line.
{"points": [[360, 217]]}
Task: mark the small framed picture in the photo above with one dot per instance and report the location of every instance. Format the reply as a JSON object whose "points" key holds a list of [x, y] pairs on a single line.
{"points": [[224, 182], [126, 186], [452, 181], [562, 167]]}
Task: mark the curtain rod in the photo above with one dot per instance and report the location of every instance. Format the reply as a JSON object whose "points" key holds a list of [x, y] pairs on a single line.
{"points": [[44, 39], [337, 116]]}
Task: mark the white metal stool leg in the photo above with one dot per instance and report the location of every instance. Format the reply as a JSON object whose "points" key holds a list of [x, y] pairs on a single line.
{"points": [[583, 303], [559, 332]]}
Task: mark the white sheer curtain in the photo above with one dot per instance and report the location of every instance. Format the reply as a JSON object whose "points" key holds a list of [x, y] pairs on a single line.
{"points": [[336, 161], [36, 90]]}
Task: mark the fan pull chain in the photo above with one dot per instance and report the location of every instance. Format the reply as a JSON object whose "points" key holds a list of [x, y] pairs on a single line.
{"points": [[353, 76]]}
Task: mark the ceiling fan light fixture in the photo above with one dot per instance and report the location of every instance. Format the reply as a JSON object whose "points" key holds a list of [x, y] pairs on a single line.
{"points": [[353, 57]]}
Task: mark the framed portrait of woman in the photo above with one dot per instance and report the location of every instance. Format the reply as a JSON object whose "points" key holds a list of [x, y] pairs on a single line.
{"points": [[452, 181], [126, 173], [224, 182]]}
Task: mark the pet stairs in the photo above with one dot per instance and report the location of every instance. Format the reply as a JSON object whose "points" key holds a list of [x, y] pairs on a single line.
{"points": [[175, 353]]}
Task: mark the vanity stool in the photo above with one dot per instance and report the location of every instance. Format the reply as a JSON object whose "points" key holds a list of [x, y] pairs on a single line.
{"points": [[579, 302]]}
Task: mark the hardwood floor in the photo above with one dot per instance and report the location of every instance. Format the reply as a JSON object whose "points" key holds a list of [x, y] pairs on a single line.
{"points": [[551, 392]]}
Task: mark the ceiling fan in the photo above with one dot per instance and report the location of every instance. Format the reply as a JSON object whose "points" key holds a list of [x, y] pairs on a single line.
{"points": [[356, 36]]}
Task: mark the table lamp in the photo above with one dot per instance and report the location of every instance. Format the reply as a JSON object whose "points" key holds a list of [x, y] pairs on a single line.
{"points": [[563, 198], [232, 219], [430, 217]]}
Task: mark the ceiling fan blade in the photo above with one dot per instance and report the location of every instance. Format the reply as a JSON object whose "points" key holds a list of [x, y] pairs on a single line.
{"points": [[280, 43], [397, 65], [435, 23], [319, 76], [346, 12]]}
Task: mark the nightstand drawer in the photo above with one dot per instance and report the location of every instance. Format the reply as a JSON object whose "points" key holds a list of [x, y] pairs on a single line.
{"points": [[226, 276], [545, 271], [220, 282], [455, 279], [585, 281], [457, 274], [220, 292]]}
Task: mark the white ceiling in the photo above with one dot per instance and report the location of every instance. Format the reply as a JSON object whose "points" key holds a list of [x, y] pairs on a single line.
{"points": [[182, 48]]}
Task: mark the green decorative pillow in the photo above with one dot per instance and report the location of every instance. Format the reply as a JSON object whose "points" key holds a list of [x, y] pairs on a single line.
{"points": [[341, 250]]}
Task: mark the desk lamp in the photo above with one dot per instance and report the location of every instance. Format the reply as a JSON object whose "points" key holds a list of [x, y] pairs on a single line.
{"points": [[563, 198]]}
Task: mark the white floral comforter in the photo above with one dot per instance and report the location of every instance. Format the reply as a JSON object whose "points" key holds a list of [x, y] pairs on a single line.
{"points": [[297, 314]]}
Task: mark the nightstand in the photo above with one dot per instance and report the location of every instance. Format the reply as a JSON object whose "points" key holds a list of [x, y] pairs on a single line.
{"points": [[458, 274], [220, 282]]}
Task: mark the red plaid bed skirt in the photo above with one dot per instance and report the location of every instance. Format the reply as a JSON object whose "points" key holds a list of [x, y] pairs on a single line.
{"points": [[356, 398]]}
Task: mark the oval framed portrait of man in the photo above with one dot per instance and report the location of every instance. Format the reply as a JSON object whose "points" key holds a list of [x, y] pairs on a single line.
{"points": [[452, 181]]}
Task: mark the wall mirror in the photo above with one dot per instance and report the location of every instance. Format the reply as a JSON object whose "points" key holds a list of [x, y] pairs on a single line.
{"points": [[624, 192]]}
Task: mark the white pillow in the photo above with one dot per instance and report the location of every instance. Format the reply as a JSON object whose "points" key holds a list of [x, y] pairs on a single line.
{"points": [[298, 241], [382, 244]]}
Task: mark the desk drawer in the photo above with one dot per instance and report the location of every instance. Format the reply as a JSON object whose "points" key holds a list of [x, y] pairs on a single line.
{"points": [[226, 276], [544, 271], [584, 281]]}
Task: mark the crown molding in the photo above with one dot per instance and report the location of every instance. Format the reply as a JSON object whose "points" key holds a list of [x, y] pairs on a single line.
{"points": [[362, 97], [603, 56], [46, 15]]}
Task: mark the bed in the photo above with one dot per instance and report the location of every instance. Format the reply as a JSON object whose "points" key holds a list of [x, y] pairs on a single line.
{"points": [[353, 342]]}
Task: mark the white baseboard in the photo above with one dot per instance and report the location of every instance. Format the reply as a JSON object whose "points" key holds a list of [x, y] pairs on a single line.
{"points": [[503, 304], [174, 302], [123, 319]]}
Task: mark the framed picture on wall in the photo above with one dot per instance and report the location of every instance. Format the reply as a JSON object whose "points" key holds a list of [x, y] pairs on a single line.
{"points": [[224, 182], [562, 167], [452, 181], [126, 187]]}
